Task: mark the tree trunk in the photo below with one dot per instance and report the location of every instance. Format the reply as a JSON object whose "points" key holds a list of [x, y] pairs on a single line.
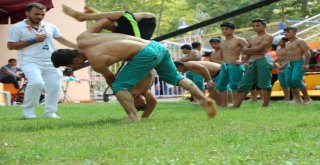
{"points": [[159, 19], [304, 8]]}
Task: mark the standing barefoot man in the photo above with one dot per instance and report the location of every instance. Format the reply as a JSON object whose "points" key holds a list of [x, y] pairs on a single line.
{"points": [[298, 53], [259, 70]]}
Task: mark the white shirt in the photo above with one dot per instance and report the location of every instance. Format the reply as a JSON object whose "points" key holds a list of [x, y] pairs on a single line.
{"points": [[38, 52]]}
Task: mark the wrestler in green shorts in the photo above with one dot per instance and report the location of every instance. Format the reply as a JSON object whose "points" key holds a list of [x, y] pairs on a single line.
{"points": [[258, 72], [196, 79], [231, 75], [282, 77], [294, 74], [154, 55]]}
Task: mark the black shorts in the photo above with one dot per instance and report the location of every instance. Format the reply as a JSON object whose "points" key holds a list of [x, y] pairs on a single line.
{"points": [[146, 26]]}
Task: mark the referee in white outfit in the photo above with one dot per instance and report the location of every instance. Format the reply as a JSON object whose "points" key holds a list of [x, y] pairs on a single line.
{"points": [[33, 39]]}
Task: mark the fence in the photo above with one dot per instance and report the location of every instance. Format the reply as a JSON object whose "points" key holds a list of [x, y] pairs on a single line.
{"points": [[162, 89]]}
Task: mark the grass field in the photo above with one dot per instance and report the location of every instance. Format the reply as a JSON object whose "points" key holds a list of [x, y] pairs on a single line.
{"points": [[176, 133]]}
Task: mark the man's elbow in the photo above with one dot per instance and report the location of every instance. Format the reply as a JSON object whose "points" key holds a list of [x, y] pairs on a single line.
{"points": [[10, 46], [153, 101]]}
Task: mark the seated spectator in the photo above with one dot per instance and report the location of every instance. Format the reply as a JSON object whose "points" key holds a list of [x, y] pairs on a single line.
{"points": [[10, 73], [314, 59]]}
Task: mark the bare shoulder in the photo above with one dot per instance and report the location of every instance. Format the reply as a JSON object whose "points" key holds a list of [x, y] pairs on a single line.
{"points": [[301, 41], [241, 39], [268, 36]]}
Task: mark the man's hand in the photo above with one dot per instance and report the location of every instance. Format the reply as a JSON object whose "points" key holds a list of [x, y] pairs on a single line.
{"points": [[238, 62], [41, 37], [305, 67], [210, 84]]}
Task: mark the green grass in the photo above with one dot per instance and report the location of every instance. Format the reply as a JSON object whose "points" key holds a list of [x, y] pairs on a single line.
{"points": [[176, 133]]}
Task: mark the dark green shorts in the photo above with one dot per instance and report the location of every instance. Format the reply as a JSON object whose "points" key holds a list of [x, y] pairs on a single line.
{"points": [[258, 72], [152, 56]]}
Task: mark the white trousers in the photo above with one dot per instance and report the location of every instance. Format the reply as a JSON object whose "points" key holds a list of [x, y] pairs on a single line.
{"points": [[41, 76]]}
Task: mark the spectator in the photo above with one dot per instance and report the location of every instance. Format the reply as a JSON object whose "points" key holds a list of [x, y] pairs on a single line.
{"points": [[33, 39], [10, 73]]}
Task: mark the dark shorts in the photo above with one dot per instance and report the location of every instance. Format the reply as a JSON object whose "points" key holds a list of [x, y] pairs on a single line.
{"points": [[144, 29]]}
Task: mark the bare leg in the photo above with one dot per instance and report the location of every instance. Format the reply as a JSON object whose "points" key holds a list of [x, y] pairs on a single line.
{"points": [[207, 103], [286, 92], [240, 96], [254, 95], [195, 100], [215, 95], [112, 16], [224, 99], [231, 96], [126, 100], [88, 9], [266, 97], [306, 98], [296, 95]]}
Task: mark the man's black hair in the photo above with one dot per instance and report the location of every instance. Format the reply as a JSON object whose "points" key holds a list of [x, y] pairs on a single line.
{"points": [[63, 57], [228, 24], [215, 39], [262, 21], [290, 28], [12, 59], [285, 39], [35, 5], [186, 46], [206, 54], [195, 45], [178, 63]]}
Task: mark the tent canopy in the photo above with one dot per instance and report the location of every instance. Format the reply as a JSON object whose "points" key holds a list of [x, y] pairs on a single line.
{"points": [[15, 9]]}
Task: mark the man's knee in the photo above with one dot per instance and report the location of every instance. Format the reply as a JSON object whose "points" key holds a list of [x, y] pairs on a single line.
{"points": [[297, 83], [39, 84], [135, 93], [234, 86]]}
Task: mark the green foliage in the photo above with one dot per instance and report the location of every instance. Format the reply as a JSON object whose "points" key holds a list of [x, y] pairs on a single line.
{"points": [[176, 133], [194, 11]]}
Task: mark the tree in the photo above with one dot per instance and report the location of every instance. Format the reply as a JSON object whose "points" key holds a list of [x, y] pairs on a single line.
{"points": [[169, 12]]}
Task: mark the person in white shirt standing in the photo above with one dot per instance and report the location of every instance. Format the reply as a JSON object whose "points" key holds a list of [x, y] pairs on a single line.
{"points": [[33, 39]]}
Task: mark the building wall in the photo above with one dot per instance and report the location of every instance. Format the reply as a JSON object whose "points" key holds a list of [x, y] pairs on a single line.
{"points": [[70, 29]]}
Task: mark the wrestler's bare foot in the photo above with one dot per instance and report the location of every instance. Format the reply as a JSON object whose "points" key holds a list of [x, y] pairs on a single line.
{"points": [[307, 101], [210, 106], [88, 9], [72, 13], [132, 118]]}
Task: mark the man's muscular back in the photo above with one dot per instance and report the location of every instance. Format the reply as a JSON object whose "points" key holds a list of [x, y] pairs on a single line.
{"points": [[109, 48]]}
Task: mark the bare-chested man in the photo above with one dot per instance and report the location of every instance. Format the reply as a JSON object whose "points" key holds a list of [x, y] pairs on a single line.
{"points": [[189, 54], [298, 53], [103, 50], [192, 55], [215, 55], [281, 64], [140, 25], [259, 70], [232, 68], [135, 24], [196, 46], [208, 70]]}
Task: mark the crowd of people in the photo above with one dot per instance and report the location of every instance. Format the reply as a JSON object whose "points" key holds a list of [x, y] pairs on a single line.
{"points": [[235, 67], [250, 65]]}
